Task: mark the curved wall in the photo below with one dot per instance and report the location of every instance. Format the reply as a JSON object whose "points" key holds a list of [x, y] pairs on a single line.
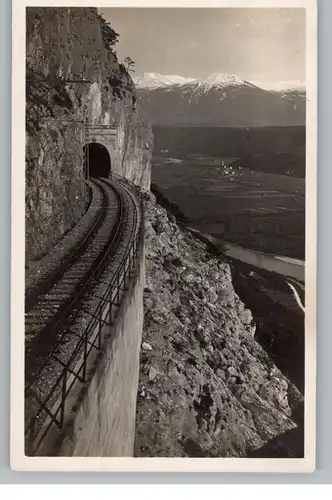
{"points": [[104, 425]]}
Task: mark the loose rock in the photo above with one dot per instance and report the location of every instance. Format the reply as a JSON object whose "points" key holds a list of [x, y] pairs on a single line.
{"points": [[146, 346]]}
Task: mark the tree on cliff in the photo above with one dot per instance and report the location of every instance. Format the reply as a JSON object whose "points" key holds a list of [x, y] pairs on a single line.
{"points": [[110, 36], [129, 64]]}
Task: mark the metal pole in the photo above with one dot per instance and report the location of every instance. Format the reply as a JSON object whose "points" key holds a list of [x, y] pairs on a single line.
{"points": [[83, 167], [87, 150], [63, 398], [88, 160], [85, 354], [100, 327]]}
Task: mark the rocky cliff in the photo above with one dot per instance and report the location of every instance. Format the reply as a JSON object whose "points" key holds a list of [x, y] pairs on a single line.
{"points": [[207, 388], [73, 77]]}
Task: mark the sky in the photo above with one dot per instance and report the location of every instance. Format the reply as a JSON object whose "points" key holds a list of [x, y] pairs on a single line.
{"points": [[253, 43]]}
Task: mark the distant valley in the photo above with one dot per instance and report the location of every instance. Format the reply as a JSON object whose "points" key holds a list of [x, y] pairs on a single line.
{"points": [[246, 186]]}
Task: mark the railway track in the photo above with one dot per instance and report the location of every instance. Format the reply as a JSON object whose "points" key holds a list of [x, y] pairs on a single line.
{"points": [[59, 295], [48, 270], [67, 303]]}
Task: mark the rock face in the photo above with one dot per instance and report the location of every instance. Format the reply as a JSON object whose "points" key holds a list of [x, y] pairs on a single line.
{"points": [[207, 388], [73, 77]]}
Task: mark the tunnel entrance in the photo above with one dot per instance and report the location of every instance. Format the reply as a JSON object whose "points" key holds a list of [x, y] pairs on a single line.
{"points": [[97, 161]]}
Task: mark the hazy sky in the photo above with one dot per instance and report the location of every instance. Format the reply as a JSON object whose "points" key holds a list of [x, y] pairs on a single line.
{"points": [[257, 44]]}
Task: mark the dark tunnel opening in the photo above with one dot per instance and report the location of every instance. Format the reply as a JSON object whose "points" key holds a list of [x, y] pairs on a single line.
{"points": [[97, 161]]}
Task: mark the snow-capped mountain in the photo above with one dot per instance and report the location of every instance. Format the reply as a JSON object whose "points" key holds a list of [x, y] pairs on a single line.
{"points": [[283, 86], [157, 80], [218, 100], [221, 80], [216, 81]]}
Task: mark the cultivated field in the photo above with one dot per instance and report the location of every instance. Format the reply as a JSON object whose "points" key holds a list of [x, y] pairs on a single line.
{"points": [[257, 210]]}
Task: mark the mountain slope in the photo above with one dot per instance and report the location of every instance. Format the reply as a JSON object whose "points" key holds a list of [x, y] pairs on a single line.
{"points": [[219, 100], [292, 91], [282, 86], [295, 97]]}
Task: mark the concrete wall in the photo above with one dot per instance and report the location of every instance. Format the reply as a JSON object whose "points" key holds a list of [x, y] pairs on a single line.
{"points": [[104, 425]]}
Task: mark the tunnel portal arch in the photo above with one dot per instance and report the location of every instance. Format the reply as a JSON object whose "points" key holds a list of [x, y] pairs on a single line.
{"points": [[100, 135], [97, 160]]}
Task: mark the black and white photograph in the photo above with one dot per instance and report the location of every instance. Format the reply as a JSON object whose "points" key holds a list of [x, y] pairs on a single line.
{"points": [[167, 236]]}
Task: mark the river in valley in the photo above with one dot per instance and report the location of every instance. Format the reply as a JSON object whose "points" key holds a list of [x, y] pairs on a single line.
{"points": [[289, 267]]}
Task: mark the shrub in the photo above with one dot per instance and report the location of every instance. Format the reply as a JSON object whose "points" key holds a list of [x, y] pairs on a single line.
{"points": [[110, 36]]}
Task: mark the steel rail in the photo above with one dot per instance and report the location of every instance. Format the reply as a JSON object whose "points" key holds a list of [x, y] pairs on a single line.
{"points": [[134, 225]]}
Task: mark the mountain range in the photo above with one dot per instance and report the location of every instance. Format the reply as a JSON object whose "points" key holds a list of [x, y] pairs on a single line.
{"points": [[221, 99]]}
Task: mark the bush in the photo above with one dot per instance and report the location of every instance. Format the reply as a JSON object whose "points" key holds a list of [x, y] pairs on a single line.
{"points": [[110, 36]]}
